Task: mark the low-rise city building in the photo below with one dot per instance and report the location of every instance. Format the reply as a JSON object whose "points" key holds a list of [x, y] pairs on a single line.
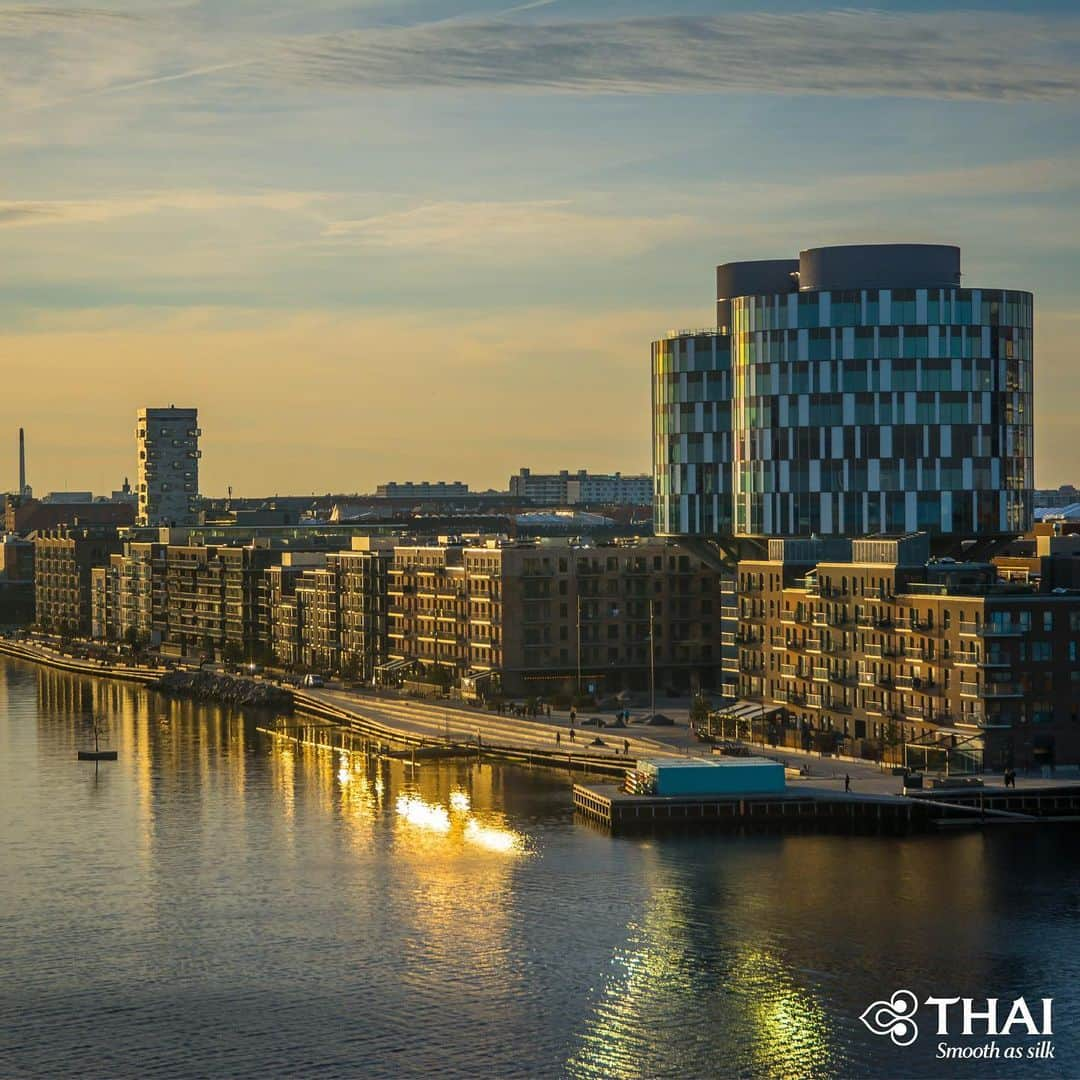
{"points": [[582, 488], [63, 561]]}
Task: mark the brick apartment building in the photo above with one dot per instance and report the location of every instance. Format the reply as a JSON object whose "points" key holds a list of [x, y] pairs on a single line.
{"points": [[879, 647], [64, 559]]}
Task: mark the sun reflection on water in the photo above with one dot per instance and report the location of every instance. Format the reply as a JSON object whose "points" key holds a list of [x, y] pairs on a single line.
{"points": [[464, 825]]}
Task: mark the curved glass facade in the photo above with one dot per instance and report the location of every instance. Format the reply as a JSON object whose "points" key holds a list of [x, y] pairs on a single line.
{"points": [[881, 410], [692, 448]]}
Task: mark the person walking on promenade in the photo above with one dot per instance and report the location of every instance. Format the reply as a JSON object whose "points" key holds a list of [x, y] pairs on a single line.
{"points": [[847, 782], [558, 738], [573, 715], [572, 732], [626, 747]]}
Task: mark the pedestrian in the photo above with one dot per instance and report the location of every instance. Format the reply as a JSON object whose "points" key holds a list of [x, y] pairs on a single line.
{"points": [[626, 747], [847, 782], [548, 708], [573, 715], [572, 734], [558, 738]]}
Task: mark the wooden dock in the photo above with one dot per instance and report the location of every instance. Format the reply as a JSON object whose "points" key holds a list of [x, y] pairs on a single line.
{"points": [[808, 808], [614, 809]]}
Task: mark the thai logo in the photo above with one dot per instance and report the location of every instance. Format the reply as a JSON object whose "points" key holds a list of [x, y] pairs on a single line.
{"points": [[895, 1017]]}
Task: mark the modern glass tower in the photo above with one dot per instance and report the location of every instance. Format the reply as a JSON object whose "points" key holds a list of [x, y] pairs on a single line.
{"points": [[869, 392]]}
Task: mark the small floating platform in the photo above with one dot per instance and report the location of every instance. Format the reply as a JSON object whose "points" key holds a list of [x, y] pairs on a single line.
{"points": [[801, 808], [97, 755], [618, 811]]}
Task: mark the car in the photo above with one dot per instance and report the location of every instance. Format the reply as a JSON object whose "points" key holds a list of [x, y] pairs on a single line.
{"points": [[313, 682]]}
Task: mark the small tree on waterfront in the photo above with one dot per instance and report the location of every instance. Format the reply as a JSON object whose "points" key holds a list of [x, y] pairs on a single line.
{"points": [[699, 711]]}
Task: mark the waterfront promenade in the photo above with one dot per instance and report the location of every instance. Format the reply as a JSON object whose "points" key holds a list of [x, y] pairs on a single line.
{"points": [[418, 722], [425, 722]]}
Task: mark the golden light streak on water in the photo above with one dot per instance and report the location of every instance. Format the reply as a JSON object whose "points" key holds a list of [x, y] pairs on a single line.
{"points": [[459, 801], [503, 841], [423, 814]]}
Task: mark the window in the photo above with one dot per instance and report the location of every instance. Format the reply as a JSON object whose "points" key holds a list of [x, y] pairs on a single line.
{"points": [[1048, 621]]}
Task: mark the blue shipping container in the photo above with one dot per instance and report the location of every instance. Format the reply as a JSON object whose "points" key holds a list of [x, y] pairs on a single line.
{"points": [[701, 776]]}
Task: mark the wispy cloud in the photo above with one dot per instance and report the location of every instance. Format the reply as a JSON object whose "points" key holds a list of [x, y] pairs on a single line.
{"points": [[30, 212], [965, 56], [865, 53], [505, 229]]}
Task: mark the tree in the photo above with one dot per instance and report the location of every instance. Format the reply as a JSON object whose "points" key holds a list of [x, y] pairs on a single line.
{"points": [[699, 711]]}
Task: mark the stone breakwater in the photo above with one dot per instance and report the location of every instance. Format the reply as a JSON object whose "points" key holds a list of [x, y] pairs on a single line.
{"points": [[223, 689]]}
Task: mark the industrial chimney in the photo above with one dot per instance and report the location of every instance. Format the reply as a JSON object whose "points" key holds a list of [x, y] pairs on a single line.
{"points": [[22, 462]]}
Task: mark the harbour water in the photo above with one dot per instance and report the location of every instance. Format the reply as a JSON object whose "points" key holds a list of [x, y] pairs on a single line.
{"points": [[223, 902]]}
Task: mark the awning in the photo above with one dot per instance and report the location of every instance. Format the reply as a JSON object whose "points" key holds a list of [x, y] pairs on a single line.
{"points": [[478, 676], [747, 710], [393, 665]]}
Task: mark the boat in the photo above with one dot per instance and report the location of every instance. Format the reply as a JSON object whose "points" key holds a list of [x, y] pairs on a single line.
{"points": [[97, 754]]}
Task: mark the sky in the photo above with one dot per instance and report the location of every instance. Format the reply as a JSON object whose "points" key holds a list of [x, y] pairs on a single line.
{"points": [[425, 239]]}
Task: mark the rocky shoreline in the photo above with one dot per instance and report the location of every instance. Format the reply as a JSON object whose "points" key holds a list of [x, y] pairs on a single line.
{"points": [[224, 690]]}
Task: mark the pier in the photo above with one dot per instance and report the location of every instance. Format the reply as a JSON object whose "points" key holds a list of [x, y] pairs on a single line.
{"points": [[806, 807]]}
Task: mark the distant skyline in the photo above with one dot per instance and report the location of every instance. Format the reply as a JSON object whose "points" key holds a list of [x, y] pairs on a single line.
{"points": [[426, 240]]}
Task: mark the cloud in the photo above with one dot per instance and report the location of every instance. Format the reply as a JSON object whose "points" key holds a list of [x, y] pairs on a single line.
{"points": [[29, 212], [501, 228], [51, 56], [860, 53]]}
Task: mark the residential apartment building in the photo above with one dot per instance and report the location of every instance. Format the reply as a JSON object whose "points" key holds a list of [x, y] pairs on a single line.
{"points": [[362, 575], [853, 390], [545, 616], [168, 466], [16, 580], [284, 605], [582, 488], [63, 561], [883, 649], [215, 599]]}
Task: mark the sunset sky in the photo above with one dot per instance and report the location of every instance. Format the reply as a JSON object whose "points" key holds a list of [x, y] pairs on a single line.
{"points": [[431, 240]]}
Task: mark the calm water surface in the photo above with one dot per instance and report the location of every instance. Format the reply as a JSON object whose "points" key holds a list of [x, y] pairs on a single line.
{"points": [[223, 903]]}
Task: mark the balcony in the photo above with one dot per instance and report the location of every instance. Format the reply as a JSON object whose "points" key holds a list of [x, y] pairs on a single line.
{"points": [[969, 689], [813, 643], [914, 712], [787, 671], [914, 652], [904, 625], [1004, 690], [968, 628], [999, 630], [874, 650], [820, 619], [867, 678], [821, 674], [814, 701], [905, 682], [787, 616]]}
